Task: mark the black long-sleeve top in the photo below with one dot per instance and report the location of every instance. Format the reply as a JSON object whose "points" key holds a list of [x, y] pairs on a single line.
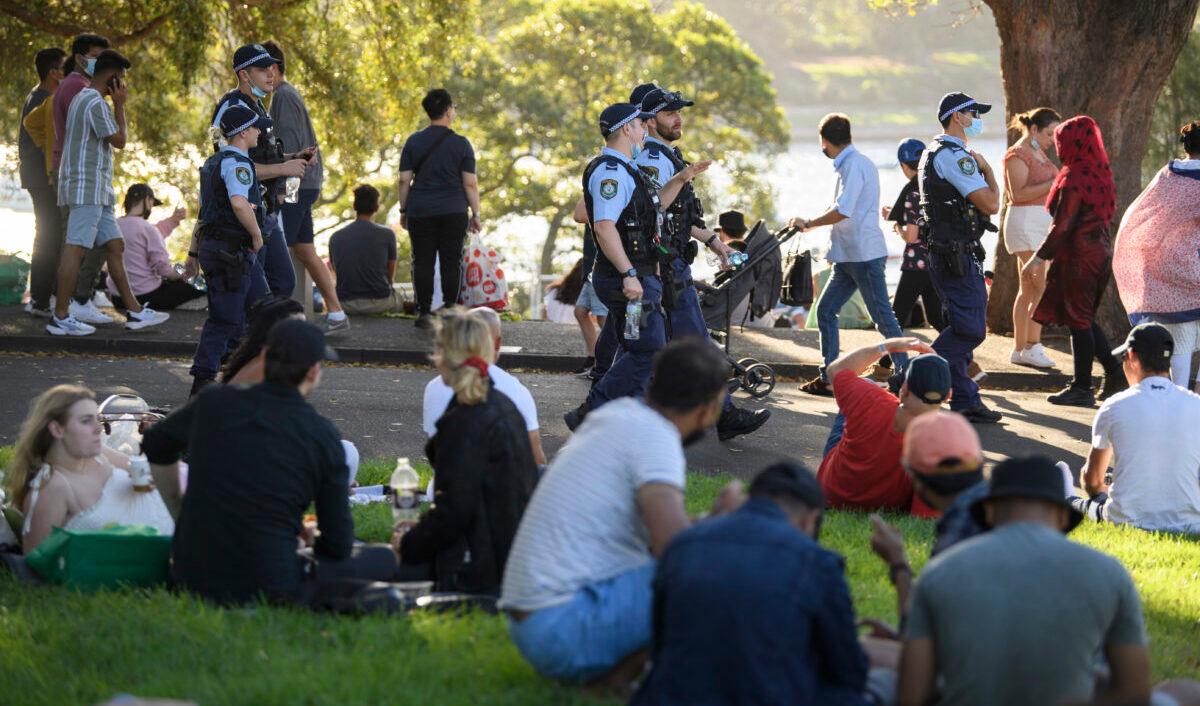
{"points": [[257, 458]]}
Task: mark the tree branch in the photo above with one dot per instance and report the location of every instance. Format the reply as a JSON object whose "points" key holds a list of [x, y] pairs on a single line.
{"points": [[508, 172], [68, 29]]}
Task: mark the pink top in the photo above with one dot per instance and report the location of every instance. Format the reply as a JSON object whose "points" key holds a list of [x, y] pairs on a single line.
{"points": [[1039, 171], [146, 258], [66, 92]]}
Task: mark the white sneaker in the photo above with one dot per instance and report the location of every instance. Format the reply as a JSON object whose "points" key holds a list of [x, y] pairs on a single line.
{"points": [[1016, 358], [88, 313], [101, 301], [145, 318], [1036, 357], [69, 326]]}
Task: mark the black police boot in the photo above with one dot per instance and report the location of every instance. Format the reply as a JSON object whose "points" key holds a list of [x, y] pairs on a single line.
{"points": [[199, 383], [1073, 397], [575, 417], [735, 422], [980, 415]]}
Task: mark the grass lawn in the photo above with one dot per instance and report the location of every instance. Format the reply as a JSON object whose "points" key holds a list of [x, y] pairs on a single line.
{"points": [[57, 647]]}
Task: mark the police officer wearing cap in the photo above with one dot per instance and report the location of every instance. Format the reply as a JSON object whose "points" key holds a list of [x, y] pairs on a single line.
{"points": [[252, 65], [625, 213], [684, 229], [958, 194], [228, 239]]}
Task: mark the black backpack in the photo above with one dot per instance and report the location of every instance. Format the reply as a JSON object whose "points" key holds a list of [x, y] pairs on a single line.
{"points": [[797, 279]]}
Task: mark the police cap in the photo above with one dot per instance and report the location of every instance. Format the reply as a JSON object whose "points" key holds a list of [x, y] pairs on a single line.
{"points": [[249, 55], [618, 115], [955, 102], [640, 92], [660, 99], [238, 118]]}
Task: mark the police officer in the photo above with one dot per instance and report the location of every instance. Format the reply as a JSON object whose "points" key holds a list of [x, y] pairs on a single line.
{"points": [[958, 193], [228, 238], [624, 210], [684, 229], [252, 65]]}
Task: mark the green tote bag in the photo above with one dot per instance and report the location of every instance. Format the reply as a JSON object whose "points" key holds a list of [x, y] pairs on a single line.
{"points": [[118, 555]]}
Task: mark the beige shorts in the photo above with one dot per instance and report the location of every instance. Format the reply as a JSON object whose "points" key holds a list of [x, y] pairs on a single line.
{"points": [[1025, 228]]}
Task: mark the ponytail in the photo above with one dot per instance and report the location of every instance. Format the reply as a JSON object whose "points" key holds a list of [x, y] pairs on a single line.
{"points": [[1189, 137], [1041, 118]]}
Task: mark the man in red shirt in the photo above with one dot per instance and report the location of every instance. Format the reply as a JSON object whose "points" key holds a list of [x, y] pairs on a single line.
{"points": [[861, 469]]}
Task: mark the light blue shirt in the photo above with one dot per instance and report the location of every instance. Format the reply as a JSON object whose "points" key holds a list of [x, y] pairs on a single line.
{"points": [[237, 175], [956, 165], [656, 164], [611, 187], [858, 238]]}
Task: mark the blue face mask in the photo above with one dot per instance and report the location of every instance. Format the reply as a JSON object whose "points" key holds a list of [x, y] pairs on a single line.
{"points": [[89, 66], [636, 149], [975, 128], [258, 92]]}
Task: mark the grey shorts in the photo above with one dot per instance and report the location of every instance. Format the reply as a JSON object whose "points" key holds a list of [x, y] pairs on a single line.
{"points": [[588, 299], [91, 226]]}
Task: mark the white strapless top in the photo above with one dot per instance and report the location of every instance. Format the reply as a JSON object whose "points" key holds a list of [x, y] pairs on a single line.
{"points": [[119, 504]]}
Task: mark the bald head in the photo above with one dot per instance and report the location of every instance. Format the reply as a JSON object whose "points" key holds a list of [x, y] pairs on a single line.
{"points": [[492, 319]]}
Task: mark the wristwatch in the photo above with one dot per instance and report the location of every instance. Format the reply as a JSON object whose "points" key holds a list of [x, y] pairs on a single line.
{"points": [[631, 272], [708, 243]]}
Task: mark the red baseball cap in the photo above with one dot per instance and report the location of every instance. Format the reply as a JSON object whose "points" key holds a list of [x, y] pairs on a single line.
{"points": [[941, 442]]}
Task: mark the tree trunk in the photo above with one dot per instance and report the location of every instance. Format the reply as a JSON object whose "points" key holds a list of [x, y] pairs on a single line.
{"points": [[1104, 58], [556, 220]]}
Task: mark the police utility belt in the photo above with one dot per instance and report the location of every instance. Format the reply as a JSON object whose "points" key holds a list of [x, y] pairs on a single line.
{"points": [[955, 231], [232, 264]]}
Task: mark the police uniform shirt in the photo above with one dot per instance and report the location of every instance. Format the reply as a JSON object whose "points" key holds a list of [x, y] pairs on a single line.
{"points": [[611, 187], [655, 164], [956, 165], [237, 175]]}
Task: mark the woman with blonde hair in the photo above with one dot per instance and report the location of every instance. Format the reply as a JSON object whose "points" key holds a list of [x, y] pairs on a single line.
{"points": [[62, 474], [484, 468], [1028, 176]]}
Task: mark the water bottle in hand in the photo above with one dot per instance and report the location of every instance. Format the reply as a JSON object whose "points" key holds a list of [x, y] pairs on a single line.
{"points": [[633, 320], [292, 190]]}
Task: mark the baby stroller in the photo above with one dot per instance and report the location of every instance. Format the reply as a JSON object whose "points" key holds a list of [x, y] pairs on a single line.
{"points": [[763, 268]]}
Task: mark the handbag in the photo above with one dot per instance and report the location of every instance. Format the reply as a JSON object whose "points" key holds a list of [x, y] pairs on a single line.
{"points": [[483, 282], [88, 560], [797, 279]]}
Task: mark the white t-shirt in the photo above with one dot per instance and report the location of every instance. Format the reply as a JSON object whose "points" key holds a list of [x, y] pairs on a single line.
{"points": [[582, 525], [438, 396], [1154, 431]]}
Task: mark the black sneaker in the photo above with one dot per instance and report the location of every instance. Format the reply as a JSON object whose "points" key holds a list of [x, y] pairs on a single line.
{"points": [[1073, 397], [1112, 385], [586, 368], [980, 415], [735, 422], [425, 321], [575, 417]]}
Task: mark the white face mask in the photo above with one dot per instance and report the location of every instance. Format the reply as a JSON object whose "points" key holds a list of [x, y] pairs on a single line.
{"points": [[1033, 142]]}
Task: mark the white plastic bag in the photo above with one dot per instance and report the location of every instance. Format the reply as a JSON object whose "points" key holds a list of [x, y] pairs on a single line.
{"points": [[483, 282]]}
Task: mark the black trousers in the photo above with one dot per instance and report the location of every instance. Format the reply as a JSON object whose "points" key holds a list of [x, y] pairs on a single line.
{"points": [[437, 237], [1089, 344], [913, 285], [170, 294], [338, 585], [47, 245]]}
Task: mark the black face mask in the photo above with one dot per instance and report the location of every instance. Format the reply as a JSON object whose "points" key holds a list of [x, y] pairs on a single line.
{"points": [[825, 151], [949, 484]]}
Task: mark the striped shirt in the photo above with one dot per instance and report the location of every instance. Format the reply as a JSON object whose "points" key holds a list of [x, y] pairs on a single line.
{"points": [[85, 175], [582, 525]]}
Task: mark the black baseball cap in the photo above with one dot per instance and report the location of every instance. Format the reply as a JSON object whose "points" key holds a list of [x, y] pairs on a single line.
{"points": [[640, 92], [1148, 340], [661, 99], [617, 115], [1029, 477], [954, 102], [137, 192], [238, 118], [928, 377], [296, 341], [249, 55], [789, 478]]}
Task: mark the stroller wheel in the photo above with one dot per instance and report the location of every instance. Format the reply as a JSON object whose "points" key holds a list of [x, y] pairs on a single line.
{"points": [[758, 380], [746, 363]]}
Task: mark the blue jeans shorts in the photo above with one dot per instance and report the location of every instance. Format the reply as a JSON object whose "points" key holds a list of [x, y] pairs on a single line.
{"points": [[91, 226], [588, 299]]}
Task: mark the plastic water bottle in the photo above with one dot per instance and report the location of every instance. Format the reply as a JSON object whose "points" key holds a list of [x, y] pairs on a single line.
{"points": [[291, 187], [633, 320], [737, 259], [197, 281], [405, 485]]}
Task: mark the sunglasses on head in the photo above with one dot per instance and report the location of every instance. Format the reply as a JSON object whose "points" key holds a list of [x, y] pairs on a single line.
{"points": [[972, 112]]}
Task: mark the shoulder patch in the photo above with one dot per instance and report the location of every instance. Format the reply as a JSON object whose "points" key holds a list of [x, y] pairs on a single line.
{"points": [[966, 165], [243, 175], [652, 172], [608, 188]]}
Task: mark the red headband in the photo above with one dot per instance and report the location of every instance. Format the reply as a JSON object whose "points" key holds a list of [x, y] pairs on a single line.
{"points": [[476, 362]]}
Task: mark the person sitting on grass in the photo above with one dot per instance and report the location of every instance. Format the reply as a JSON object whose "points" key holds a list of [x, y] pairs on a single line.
{"points": [[1018, 614], [1151, 429], [749, 608], [578, 585], [258, 458], [438, 394], [484, 467], [861, 468], [63, 475]]}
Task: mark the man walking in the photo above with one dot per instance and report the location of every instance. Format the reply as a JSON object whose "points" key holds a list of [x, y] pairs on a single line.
{"points": [[857, 249], [35, 179]]}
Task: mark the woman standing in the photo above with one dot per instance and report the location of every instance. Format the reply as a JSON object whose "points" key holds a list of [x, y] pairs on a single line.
{"points": [[1028, 176], [1078, 249]]}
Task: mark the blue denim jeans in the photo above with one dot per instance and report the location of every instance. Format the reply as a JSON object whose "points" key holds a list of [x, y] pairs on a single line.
{"points": [[835, 434], [588, 635], [869, 279]]}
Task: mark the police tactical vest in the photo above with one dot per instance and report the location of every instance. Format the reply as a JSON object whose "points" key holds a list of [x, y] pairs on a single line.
{"points": [[638, 224], [949, 216], [216, 212], [269, 149], [685, 211]]}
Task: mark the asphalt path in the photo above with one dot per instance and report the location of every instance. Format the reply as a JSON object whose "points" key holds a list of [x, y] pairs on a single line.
{"points": [[379, 409]]}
